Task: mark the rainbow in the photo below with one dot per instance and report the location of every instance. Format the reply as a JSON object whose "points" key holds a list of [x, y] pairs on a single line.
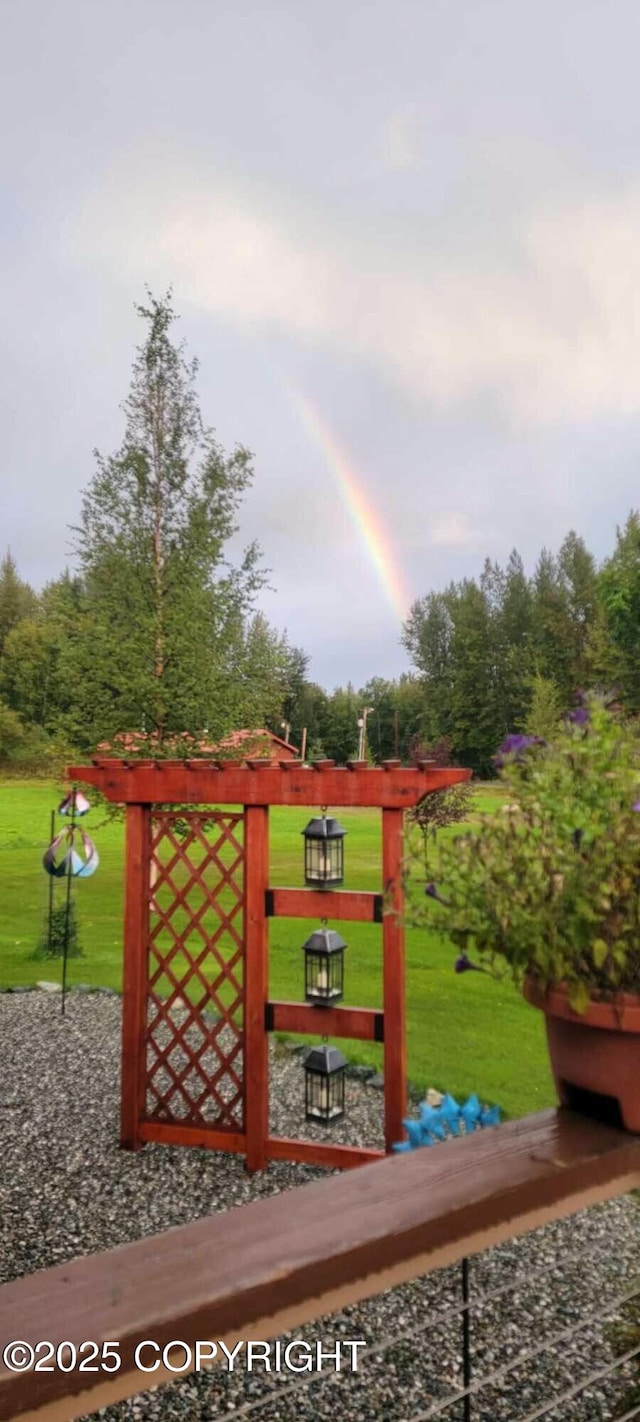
{"points": [[366, 521]]}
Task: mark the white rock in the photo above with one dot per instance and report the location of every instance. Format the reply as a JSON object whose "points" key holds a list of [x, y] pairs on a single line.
{"points": [[433, 1097], [49, 987]]}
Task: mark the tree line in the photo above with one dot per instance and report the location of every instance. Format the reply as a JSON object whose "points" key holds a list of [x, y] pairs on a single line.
{"points": [[156, 630], [508, 652]]}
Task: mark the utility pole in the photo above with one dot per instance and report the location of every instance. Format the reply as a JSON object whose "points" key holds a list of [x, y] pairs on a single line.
{"points": [[362, 724]]}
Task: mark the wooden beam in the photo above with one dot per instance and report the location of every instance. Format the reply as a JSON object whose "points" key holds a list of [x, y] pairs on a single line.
{"points": [[204, 783], [339, 904], [393, 976], [258, 1271], [202, 1137], [362, 1024], [134, 975], [333, 1157], [256, 983]]}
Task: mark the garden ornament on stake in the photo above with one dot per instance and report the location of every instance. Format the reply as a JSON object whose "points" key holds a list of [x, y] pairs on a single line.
{"points": [[64, 860]]}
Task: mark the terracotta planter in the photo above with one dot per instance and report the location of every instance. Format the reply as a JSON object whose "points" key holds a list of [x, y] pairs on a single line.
{"points": [[595, 1058]]}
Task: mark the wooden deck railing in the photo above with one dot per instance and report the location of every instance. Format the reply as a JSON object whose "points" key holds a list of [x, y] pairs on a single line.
{"points": [[267, 1267]]}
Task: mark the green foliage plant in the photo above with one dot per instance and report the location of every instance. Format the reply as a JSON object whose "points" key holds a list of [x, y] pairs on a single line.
{"points": [[52, 940], [442, 808], [550, 886]]}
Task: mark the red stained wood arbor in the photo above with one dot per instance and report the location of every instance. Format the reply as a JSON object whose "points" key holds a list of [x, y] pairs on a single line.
{"points": [[196, 1011]]}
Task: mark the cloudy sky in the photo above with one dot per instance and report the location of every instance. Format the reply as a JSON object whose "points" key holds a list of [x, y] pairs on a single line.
{"points": [[404, 242]]}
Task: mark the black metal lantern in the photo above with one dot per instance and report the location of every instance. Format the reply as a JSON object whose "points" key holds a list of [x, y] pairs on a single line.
{"points": [[323, 853], [324, 967], [324, 1069]]}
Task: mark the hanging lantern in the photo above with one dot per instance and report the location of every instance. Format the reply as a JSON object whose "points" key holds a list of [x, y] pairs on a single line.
{"points": [[324, 1071], [323, 853], [324, 967]]}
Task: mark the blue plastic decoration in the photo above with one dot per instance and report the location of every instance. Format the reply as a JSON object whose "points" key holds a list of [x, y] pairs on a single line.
{"points": [[414, 1132], [470, 1113], [437, 1123]]}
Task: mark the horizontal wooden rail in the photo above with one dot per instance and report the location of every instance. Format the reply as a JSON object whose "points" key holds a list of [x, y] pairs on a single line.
{"points": [[345, 905], [256, 1272], [360, 1023], [204, 1137], [208, 783], [334, 1157]]}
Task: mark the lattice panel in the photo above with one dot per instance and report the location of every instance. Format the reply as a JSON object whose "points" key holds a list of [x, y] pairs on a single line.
{"points": [[195, 984]]}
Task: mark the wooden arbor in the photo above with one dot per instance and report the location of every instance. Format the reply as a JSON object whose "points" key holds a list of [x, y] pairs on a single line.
{"points": [[196, 1009]]}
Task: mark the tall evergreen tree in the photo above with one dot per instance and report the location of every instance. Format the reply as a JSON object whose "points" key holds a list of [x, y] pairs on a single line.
{"points": [[161, 603], [619, 588], [551, 624], [517, 630], [577, 569], [427, 636], [17, 598]]}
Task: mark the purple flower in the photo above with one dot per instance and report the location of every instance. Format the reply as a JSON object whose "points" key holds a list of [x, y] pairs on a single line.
{"points": [[579, 716], [513, 748], [431, 890], [636, 807], [463, 964]]}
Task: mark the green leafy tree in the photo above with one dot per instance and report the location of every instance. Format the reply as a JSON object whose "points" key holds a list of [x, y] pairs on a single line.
{"points": [[258, 688], [12, 732], [619, 591], [340, 730], [17, 598], [477, 723], [441, 808], [161, 605], [428, 636], [544, 717], [551, 624], [25, 668], [516, 617], [311, 715], [579, 574]]}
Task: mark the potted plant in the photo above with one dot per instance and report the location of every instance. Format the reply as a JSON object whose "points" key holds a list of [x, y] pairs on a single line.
{"points": [[548, 890]]}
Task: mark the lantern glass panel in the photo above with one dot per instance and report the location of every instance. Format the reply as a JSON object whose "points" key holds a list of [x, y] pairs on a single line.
{"points": [[324, 853], [324, 967], [325, 1096], [324, 1085]]}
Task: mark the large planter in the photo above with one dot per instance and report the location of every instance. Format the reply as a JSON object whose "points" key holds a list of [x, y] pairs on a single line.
{"points": [[595, 1057]]}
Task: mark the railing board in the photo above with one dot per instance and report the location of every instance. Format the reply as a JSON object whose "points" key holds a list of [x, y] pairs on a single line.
{"points": [[273, 1264], [364, 1024], [343, 905]]}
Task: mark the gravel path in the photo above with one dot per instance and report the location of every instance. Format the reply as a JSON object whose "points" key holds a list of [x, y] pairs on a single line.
{"points": [[67, 1189]]}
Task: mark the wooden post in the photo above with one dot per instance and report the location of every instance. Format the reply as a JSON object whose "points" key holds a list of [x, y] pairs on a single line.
{"points": [[256, 984], [395, 1045], [134, 975]]}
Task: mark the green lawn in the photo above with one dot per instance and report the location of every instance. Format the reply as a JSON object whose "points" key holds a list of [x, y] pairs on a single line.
{"points": [[465, 1033]]}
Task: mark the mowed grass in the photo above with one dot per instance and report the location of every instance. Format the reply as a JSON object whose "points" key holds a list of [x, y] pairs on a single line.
{"points": [[464, 1033]]}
